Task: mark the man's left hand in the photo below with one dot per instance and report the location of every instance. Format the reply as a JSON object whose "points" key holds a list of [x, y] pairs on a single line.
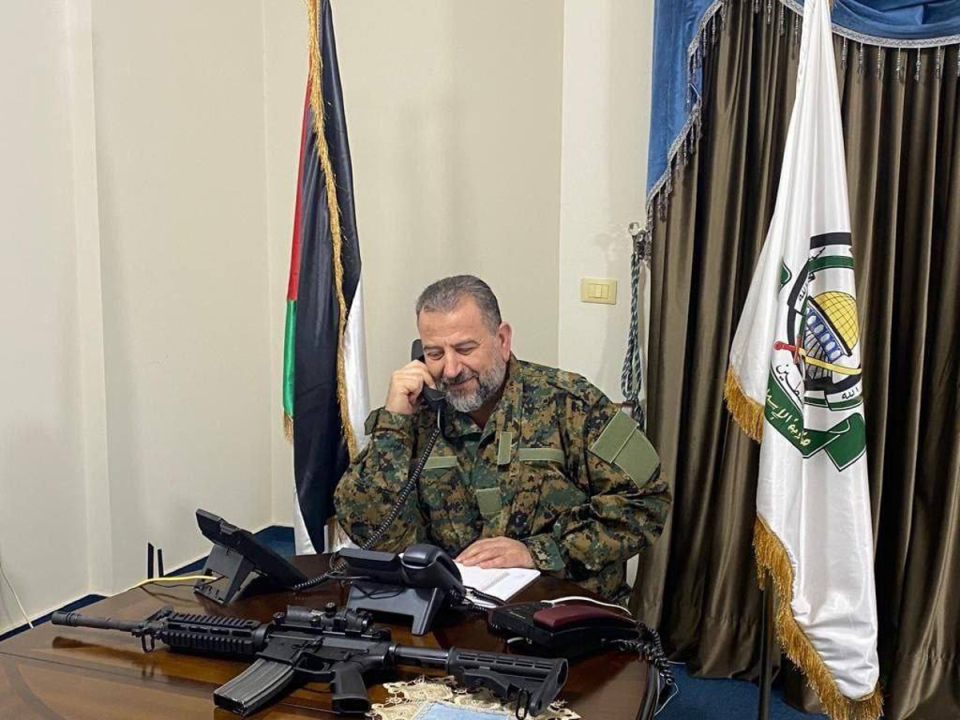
{"points": [[498, 552]]}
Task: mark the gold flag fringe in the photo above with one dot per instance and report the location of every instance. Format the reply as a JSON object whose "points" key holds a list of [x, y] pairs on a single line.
{"points": [[747, 412], [772, 558], [316, 103], [288, 427]]}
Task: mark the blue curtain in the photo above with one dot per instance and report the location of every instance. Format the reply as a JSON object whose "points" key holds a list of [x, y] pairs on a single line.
{"points": [[682, 28]]}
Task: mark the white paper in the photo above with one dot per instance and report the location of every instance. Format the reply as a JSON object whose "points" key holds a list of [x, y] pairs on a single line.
{"points": [[503, 583]]}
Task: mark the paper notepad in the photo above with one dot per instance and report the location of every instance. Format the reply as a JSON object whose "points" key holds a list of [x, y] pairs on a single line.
{"points": [[503, 583]]}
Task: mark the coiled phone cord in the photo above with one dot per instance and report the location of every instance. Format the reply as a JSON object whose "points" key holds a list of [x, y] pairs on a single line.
{"points": [[337, 567], [649, 647]]}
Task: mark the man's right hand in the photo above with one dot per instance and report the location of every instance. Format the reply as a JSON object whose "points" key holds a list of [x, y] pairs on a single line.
{"points": [[406, 384]]}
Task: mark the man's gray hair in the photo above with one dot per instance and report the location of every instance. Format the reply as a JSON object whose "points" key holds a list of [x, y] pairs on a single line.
{"points": [[444, 295]]}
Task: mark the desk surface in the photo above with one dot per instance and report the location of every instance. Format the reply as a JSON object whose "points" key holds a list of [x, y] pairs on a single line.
{"points": [[82, 674]]}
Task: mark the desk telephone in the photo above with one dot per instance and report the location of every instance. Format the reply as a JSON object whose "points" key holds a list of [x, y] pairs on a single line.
{"points": [[417, 583], [568, 630], [237, 556]]}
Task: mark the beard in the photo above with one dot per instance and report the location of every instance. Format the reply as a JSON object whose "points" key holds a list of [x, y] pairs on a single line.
{"points": [[489, 382]]}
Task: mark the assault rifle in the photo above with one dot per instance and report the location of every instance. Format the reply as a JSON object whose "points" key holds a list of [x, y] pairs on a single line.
{"points": [[328, 646]]}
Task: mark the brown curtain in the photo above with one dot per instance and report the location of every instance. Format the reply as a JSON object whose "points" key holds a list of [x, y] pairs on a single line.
{"points": [[903, 163]]}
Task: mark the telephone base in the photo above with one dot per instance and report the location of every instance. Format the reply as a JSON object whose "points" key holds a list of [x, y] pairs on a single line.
{"points": [[234, 570], [570, 630], [421, 604]]}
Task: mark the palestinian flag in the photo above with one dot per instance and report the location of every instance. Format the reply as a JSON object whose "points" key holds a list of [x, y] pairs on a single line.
{"points": [[324, 365], [794, 384]]}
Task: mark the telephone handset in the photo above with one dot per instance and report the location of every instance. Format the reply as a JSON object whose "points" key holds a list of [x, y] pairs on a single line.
{"points": [[434, 399], [419, 566], [429, 566]]}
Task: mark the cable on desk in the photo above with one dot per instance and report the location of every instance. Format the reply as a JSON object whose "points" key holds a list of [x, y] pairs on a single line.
{"points": [[178, 579]]}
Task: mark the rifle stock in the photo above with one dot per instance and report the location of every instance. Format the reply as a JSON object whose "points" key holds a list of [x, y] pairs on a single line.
{"points": [[535, 682]]}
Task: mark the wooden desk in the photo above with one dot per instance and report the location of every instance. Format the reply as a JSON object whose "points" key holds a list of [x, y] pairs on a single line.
{"points": [[55, 672]]}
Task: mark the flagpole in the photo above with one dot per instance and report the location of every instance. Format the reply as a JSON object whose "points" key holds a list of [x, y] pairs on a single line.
{"points": [[766, 650]]}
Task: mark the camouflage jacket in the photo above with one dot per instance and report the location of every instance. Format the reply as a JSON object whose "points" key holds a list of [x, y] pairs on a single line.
{"points": [[557, 466]]}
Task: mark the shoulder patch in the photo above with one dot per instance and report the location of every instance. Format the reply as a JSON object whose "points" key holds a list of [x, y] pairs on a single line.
{"points": [[623, 444]]}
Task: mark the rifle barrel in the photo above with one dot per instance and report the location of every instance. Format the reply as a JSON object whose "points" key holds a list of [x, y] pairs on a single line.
{"points": [[73, 619]]}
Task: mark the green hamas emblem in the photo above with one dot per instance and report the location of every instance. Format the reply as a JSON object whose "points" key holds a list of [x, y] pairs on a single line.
{"points": [[814, 389], [784, 275]]}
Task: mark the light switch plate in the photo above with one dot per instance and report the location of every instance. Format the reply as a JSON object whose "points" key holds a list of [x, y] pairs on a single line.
{"points": [[598, 290]]}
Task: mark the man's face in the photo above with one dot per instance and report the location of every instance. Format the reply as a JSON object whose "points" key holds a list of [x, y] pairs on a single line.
{"points": [[466, 358]]}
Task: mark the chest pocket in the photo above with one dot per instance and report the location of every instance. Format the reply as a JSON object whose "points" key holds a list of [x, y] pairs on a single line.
{"points": [[543, 474], [452, 514]]}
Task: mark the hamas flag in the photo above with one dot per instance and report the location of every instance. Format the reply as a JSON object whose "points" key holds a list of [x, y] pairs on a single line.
{"points": [[794, 383], [324, 364]]}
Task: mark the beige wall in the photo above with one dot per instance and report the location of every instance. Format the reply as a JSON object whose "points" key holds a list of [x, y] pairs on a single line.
{"points": [[135, 292], [181, 168], [607, 57], [41, 450]]}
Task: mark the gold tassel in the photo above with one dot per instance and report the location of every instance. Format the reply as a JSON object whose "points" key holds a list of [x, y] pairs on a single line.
{"points": [[746, 411], [288, 427], [772, 558], [316, 103]]}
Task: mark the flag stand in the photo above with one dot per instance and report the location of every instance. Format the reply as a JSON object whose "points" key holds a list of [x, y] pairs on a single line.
{"points": [[767, 640]]}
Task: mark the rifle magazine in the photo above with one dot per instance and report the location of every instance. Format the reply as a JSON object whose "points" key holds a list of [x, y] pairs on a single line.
{"points": [[256, 686]]}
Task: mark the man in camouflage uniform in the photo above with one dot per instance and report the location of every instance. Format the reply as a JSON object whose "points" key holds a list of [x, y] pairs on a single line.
{"points": [[535, 466]]}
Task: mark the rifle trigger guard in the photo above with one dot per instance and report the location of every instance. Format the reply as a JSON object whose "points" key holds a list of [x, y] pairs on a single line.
{"points": [[323, 674]]}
